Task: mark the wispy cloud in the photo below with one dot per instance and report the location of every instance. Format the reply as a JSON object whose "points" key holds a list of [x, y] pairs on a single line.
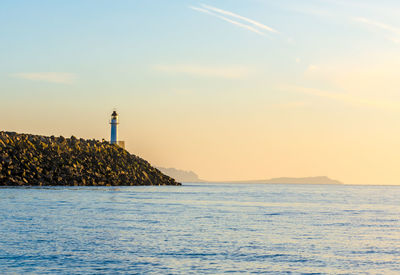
{"points": [[379, 25], [312, 68], [246, 23], [370, 6], [394, 32], [230, 72], [250, 28], [53, 77], [394, 40], [345, 97], [291, 104], [251, 21]]}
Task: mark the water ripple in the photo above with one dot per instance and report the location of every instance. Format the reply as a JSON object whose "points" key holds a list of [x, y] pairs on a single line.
{"points": [[207, 229]]}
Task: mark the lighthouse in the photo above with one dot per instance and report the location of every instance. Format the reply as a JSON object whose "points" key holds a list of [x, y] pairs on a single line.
{"points": [[114, 130]]}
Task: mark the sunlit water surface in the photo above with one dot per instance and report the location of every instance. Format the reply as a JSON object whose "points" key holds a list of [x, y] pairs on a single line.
{"points": [[201, 228]]}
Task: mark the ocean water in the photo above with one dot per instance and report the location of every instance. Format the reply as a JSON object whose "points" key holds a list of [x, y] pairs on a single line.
{"points": [[201, 228]]}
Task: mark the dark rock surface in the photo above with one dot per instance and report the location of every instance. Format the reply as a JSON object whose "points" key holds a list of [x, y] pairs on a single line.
{"points": [[57, 161]]}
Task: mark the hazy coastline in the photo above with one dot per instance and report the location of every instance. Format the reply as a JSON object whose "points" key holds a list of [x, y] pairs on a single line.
{"points": [[190, 176]]}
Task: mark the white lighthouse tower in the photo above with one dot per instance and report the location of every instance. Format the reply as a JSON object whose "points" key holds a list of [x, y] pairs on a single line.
{"points": [[114, 130]]}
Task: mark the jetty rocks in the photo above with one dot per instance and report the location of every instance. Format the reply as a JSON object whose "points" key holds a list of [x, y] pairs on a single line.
{"points": [[32, 160]]}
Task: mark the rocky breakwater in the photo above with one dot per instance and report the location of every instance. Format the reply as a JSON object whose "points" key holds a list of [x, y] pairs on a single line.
{"points": [[34, 160]]}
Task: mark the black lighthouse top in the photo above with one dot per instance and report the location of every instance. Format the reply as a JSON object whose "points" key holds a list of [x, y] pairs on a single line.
{"points": [[114, 114]]}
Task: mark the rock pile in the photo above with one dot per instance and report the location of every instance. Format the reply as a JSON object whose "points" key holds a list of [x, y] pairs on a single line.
{"points": [[51, 161]]}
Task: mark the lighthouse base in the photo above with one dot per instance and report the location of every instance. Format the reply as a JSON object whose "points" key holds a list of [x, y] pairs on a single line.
{"points": [[121, 144]]}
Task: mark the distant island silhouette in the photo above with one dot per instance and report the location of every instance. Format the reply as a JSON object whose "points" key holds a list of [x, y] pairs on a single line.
{"points": [[288, 180], [190, 176]]}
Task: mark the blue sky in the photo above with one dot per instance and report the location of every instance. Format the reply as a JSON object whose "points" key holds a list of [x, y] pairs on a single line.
{"points": [[200, 82]]}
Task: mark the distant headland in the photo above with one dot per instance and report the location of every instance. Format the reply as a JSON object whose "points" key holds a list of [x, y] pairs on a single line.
{"points": [[190, 176], [286, 180], [33, 160], [181, 175]]}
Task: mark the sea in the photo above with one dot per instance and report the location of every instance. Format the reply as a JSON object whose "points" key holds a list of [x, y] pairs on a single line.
{"points": [[202, 228]]}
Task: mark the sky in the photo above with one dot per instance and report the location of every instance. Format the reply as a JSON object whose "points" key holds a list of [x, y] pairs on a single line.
{"points": [[230, 89]]}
